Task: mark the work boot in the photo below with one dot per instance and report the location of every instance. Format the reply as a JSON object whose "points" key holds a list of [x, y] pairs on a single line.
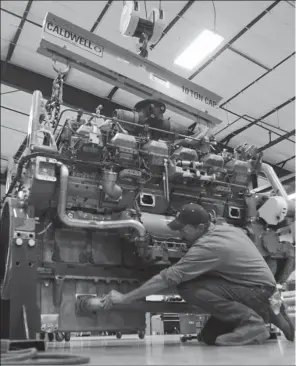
{"points": [[213, 329], [251, 331], [283, 322]]}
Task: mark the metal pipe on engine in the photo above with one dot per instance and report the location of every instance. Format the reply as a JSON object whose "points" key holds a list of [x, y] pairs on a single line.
{"points": [[35, 127], [166, 181], [277, 186], [113, 190], [34, 118], [157, 225], [90, 224], [274, 181], [132, 121]]}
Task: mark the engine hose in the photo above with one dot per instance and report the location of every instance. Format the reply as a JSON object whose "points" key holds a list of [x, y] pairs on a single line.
{"points": [[30, 356]]}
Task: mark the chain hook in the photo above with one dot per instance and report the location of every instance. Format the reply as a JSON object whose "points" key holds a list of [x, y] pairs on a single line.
{"points": [[59, 71]]}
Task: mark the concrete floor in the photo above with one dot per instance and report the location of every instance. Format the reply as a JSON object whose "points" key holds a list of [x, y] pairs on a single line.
{"points": [[168, 350]]}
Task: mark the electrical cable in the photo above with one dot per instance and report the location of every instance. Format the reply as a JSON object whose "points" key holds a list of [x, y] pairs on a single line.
{"points": [[145, 9], [44, 231], [31, 357], [215, 15]]}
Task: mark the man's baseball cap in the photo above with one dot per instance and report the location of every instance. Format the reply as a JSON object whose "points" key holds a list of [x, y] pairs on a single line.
{"points": [[190, 214]]}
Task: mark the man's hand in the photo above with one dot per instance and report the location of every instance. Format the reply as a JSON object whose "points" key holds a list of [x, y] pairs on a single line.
{"points": [[151, 287], [113, 298]]}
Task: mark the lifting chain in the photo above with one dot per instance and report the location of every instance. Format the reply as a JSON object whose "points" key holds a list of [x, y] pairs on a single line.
{"points": [[53, 105], [142, 46]]}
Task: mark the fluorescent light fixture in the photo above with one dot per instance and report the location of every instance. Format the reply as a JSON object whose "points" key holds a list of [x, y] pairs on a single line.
{"points": [[292, 196], [154, 298], [201, 47]]}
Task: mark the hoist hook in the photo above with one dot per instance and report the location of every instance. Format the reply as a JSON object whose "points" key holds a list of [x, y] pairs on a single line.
{"points": [[59, 70]]}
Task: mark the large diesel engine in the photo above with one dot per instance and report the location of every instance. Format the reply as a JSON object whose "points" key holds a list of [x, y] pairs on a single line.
{"points": [[88, 202]]}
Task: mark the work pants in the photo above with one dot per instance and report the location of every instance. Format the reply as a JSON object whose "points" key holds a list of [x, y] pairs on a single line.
{"points": [[228, 304]]}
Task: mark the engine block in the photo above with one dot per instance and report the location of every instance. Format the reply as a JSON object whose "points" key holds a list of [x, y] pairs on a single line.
{"points": [[88, 202]]}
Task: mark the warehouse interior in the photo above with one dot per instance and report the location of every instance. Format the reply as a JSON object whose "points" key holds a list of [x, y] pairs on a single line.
{"points": [[235, 95]]}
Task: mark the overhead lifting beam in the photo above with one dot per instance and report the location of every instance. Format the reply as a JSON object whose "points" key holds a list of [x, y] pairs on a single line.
{"points": [[93, 55]]}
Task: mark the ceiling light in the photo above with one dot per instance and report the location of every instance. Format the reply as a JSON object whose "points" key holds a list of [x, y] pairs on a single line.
{"points": [[292, 196], [154, 298], [201, 47]]}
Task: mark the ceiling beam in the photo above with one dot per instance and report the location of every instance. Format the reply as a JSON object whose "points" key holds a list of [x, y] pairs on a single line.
{"points": [[284, 162], [290, 178], [227, 138], [251, 59], [9, 92], [290, 3], [101, 16], [277, 141], [20, 17], [29, 81], [271, 128], [14, 110], [173, 22], [94, 27], [259, 78], [235, 38], [18, 32], [13, 129], [264, 125]]}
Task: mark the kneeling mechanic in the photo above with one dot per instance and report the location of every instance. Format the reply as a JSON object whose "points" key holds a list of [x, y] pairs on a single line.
{"points": [[224, 274]]}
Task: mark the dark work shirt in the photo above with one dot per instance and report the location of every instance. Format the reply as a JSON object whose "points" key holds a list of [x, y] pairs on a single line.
{"points": [[224, 251]]}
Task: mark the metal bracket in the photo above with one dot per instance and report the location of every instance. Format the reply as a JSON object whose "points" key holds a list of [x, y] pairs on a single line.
{"points": [[58, 290], [49, 322]]}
